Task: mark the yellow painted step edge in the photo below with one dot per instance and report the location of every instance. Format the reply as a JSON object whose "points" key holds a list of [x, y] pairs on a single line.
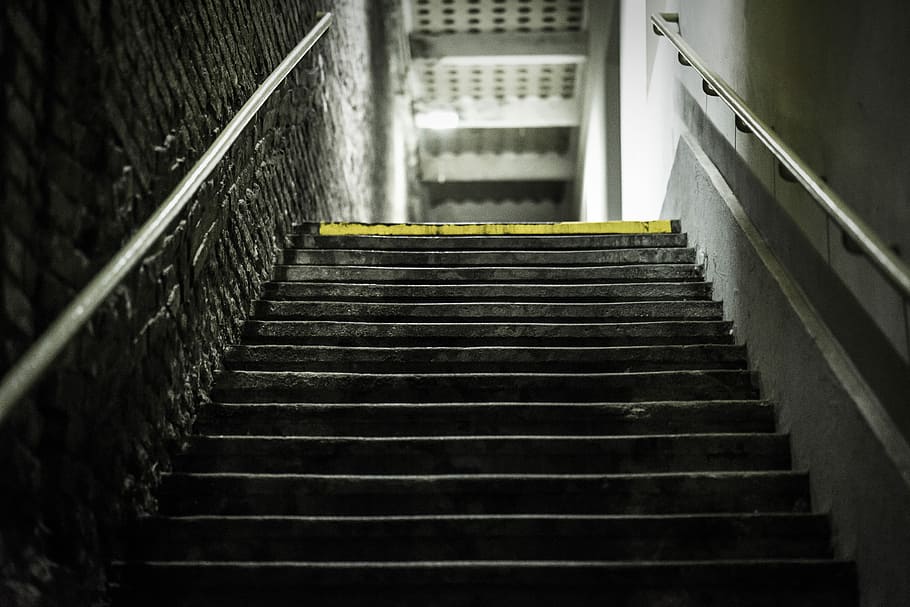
{"points": [[495, 229]]}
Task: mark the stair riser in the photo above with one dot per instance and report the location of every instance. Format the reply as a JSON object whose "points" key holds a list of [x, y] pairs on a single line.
{"points": [[472, 593], [591, 578], [487, 334], [533, 243], [184, 495], [494, 360], [560, 366], [228, 546], [264, 387], [465, 312], [526, 456], [453, 420], [606, 257], [487, 292], [448, 275]]}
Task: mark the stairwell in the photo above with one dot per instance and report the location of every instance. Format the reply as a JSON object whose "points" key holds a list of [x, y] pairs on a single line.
{"points": [[458, 420]]}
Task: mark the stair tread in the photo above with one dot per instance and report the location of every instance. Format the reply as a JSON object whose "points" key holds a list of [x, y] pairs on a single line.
{"points": [[530, 563], [475, 478], [552, 311], [264, 386], [716, 324], [630, 332], [488, 537], [459, 274], [494, 352], [618, 519], [498, 438], [489, 357], [488, 417], [510, 286], [639, 407], [500, 454], [277, 374], [638, 256], [560, 241]]}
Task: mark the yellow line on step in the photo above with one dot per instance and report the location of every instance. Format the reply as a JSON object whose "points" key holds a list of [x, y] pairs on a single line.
{"points": [[494, 229]]}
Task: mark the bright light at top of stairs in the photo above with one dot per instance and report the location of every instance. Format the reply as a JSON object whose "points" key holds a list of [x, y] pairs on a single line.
{"points": [[437, 120]]}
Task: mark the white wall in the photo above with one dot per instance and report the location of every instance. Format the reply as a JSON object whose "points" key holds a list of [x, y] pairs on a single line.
{"points": [[648, 129], [827, 75], [598, 193]]}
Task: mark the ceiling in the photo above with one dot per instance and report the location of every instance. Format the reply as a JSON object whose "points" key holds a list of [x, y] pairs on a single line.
{"points": [[511, 70]]}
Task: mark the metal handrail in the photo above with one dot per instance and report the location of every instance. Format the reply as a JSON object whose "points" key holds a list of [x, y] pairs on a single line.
{"points": [[38, 358], [892, 267]]}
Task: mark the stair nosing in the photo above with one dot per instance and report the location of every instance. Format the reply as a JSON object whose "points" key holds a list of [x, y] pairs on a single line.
{"points": [[493, 517], [482, 404], [555, 564], [492, 437], [491, 477], [695, 371]]}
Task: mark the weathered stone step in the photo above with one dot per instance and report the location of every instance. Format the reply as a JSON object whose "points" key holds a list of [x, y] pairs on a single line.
{"points": [[184, 494], [509, 243], [486, 418], [492, 537], [733, 583], [299, 386], [605, 257], [487, 333], [467, 311], [355, 291], [496, 359], [487, 454], [468, 274]]}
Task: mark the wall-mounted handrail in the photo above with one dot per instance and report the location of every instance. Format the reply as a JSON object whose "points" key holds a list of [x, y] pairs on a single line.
{"points": [[892, 267], [38, 358]]}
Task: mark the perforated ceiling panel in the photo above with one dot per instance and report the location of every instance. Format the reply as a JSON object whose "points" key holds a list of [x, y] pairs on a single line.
{"points": [[512, 71], [497, 141], [499, 16], [448, 83]]}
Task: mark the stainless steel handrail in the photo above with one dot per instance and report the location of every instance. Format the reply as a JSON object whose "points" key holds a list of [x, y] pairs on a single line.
{"points": [[892, 267], [38, 358]]}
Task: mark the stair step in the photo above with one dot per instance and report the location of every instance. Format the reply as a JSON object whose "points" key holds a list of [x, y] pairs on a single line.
{"points": [[486, 454], [494, 274], [301, 386], [489, 311], [740, 583], [487, 333], [605, 257], [538, 243], [496, 359], [503, 418], [185, 494], [451, 421], [488, 228], [490, 537], [606, 292]]}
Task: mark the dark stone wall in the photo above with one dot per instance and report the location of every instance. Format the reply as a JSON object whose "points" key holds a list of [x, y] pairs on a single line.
{"points": [[106, 104]]}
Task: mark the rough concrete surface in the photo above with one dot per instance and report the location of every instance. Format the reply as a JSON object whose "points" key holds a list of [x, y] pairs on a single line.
{"points": [[854, 453]]}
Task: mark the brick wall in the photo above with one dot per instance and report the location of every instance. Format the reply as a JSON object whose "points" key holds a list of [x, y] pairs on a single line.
{"points": [[106, 105]]}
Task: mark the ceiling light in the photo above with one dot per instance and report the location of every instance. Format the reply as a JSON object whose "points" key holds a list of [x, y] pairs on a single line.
{"points": [[437, 120]]}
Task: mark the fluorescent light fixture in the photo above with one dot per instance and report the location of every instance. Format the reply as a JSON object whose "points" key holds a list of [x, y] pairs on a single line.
{"points": [[438, 120]]}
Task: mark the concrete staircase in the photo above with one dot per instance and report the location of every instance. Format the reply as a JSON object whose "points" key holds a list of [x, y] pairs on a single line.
{"points": [[539, 420]]}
